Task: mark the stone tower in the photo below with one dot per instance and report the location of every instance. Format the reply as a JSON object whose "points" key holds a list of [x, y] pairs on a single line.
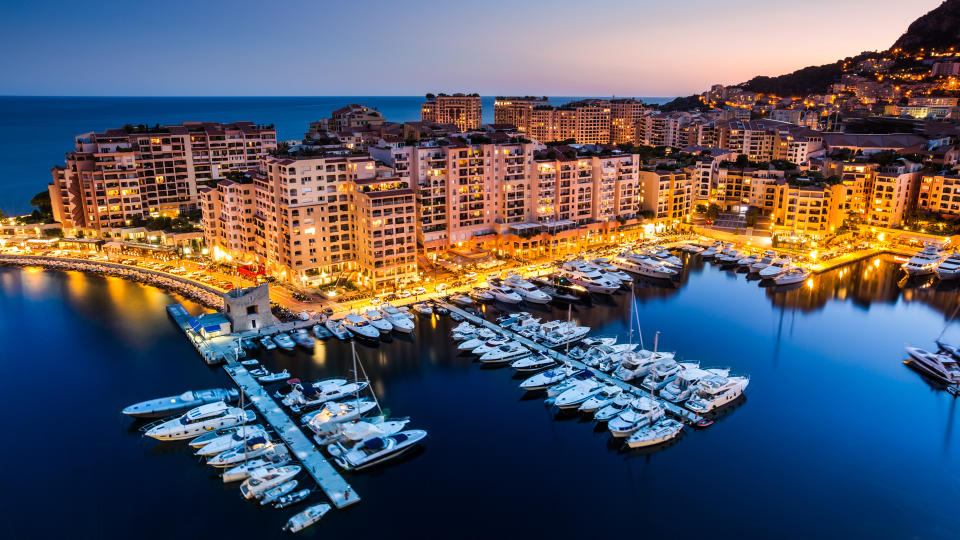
{"points": [[248, 309]]}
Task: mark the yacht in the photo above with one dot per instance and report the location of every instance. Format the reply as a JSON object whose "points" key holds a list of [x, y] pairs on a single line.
{"points": [[231, 441], [612, 271], [711, 251], [747, 261], [505, 294], [480, 295], [637, 364], [423, 308], [692, 248], [380, 449], [561, 289], [354, 433], [250, 449], [490, 345], [714, 391], [642, 411], [570, 382], [547, 378], [924, 262], [596, 355], [303, 338], [296, 387], [763, 262], [274, 377], [685, 383], [647, 267], [479, 338], [306, 518], [592, 280], [321, 332], [664, 430], [776, 268], [461, 300], [574, 397], [504, 353], [611, 410], [730, 256], [601, 399], [273, 494], [337, 329], [359, 327], [196, 421], [253, 487], [378, 321], [311, 396], [166, 406], [323, 420], [284, 341], [198, 442], [559, 333], [942, 367], [256, 467], [401, 322], [533, 363], [664, 255], [950, 267], [664, 371], [791, 276], [528, 291]]}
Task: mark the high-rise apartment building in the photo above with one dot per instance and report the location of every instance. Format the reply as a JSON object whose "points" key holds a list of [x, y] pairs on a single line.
{"points": [[114, 177], [516, 111], [667, 194], [462, 110]]}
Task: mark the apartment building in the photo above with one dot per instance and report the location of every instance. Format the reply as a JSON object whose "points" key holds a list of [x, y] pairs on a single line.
{"points": [[668, 194], [119, 175], [740, 188], [767, 140], [940, 193], [316, 219], [517, 111], [894, 192], [676, 129], [462, 110], [802, 210]]}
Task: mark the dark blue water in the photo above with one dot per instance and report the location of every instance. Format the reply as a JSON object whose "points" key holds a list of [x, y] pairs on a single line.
{"points": [[836, 438], [35, 132]]}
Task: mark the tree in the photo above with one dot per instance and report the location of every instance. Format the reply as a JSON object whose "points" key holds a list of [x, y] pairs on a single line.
{"points": [[713, 212]]}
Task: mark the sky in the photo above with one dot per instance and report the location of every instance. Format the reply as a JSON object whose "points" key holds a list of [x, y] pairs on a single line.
{"points": [[410, 47]]}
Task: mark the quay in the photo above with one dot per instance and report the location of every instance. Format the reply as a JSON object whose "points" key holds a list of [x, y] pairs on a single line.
{"points": [[682, 414], [333, 485]]}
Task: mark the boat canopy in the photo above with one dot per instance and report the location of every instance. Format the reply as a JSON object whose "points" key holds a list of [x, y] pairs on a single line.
{"points": [[255, 442], [375, 444]]}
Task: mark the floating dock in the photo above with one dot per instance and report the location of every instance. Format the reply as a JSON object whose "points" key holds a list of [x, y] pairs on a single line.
{"points": [[682, 414], [336, 488]]}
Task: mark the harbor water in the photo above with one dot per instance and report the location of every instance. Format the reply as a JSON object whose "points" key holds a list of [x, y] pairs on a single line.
{"points": [[836, 437]]}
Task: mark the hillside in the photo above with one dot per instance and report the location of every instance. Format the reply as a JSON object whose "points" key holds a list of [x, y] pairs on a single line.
{"points": [[938, 29]]}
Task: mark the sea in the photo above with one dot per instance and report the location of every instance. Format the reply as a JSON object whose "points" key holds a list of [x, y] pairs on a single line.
{"points": [[36, 132], [835, 438]]}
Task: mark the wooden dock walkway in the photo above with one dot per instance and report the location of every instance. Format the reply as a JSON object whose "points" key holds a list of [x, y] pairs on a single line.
{"points": [[336, 488], [682, 414]]}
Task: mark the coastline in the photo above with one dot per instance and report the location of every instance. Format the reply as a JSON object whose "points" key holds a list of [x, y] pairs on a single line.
{"points": [[196, 292]]}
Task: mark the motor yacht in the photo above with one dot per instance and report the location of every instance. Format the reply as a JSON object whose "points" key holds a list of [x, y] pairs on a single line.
{"points": [[685, 383], [791, 276], [660, 432], [924, 262], [558, 333], [166, 406], [748, 260], [253, 487], [555, 390], [663, 255], [360, 327], [950, 267], [490, 345], [647, 267], [573, 397], [641, 412], [423, 308], [303, 338], [380, 449], [592, 280], [590, 341], [612, 271], [337, 328], [664, 371], [310, 396], [763, 262], [250, 449], [547, 378], [481, 337], [198, 442], [620, 403], [952, 350], [561, 289], [231, 441], [776, 268], [199, 420], [528, 291], [597, 354], [284, 341], [730, 256], [306, 518], [637, 364], [692, 248], [461, 300], [257, 466], [942, 367], [601, 399], [480, 295], [533, 363], [505, 294], [711, 251], [325, 419], [504, 353], [320, 331], [354, 433], [296, 387], [401, 321], [378, 321], [714, 391]]}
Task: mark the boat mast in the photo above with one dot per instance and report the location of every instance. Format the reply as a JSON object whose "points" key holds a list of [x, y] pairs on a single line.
{"points": [[656, 339], [948, 322], [366, 377], [567, 351]]}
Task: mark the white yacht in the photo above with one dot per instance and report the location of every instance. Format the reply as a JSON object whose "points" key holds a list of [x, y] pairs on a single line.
{"points": [[251, 449], [685, 383], [558, 333], [660, 432], [763, 262], [664, 255], [942, 367], [592, 280], [337, 328], [528, 291], [730, 256], [692, 248], [310, 396], [198, 442], [401, 321], [231, 441], [748, 260], [791, 276], [275, 493], [423, 308], [711, 251], [254, 467], [378, 321], [360, 327], [479, 338], [253, 487], [490, 345], [533, 363], [714, 391], [950, 267], [547, 378], [637, 364], [924, 262], [306, 518], [664, 371], [574, 397], [776, 268], [505, 294], [642, 411], [480, 295], [612, 271], [646, 266], [199, 420], [380, 449], [461, 300], [325, 419], [354, 433], [601, 399], [504, 353], [166, 406], [620, 403]]}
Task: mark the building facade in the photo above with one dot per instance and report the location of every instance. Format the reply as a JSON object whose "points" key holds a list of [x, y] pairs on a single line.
{"points": [[462, 110]]}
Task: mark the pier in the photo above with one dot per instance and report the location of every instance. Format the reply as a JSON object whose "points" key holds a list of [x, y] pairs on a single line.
{"points": [[682, 414], [333, 485]]}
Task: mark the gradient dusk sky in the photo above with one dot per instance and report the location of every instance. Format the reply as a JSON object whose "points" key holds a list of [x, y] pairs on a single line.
{"points": [[393, 47]]}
